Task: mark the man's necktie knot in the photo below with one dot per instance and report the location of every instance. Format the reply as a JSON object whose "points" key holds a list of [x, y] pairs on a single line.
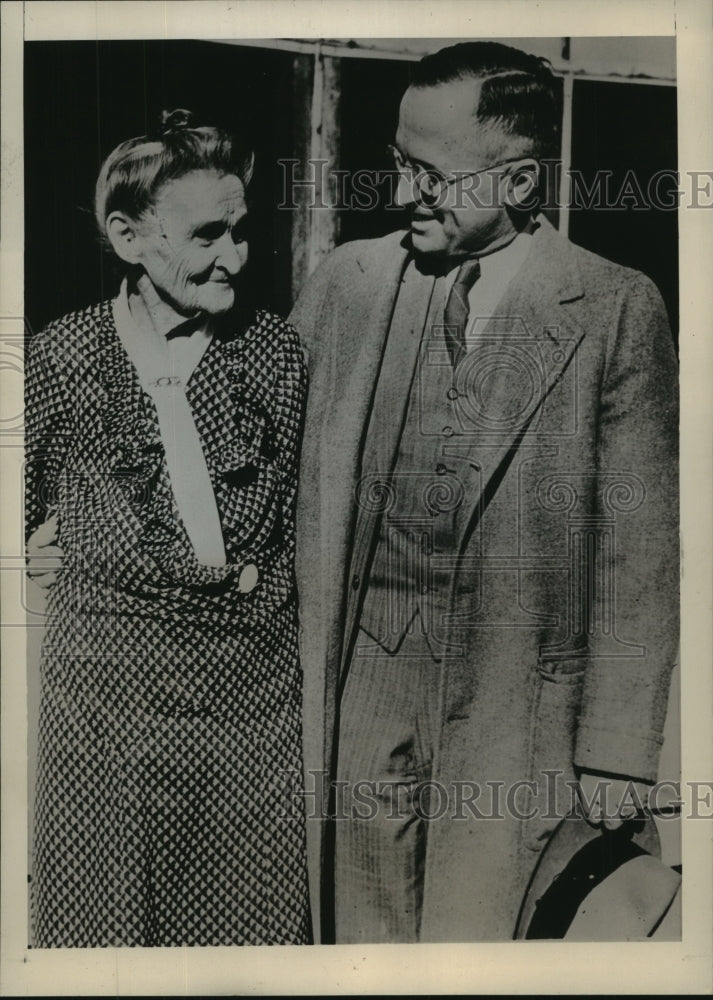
{"points": [[456, 312]]}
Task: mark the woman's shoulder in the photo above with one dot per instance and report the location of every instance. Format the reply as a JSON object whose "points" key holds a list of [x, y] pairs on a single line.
{"points": [[75, 331], [265, 336], [263, 360], [267, 323]]}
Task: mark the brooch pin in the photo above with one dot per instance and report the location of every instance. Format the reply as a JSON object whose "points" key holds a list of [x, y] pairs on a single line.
{"points": [[166, 380]]}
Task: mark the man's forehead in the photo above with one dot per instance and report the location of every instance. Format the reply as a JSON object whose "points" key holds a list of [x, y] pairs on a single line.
{"points": [[441, 112]]}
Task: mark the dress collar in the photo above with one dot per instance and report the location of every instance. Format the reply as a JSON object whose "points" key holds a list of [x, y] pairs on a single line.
{"points": [[153, 315]]}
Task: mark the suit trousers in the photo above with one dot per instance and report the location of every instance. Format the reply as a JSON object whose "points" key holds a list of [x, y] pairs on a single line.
{"points": [[388, 725]]}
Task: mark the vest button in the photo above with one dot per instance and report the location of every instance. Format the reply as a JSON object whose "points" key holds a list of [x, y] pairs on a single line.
{"points": [[441, 470], [355, 581], [447, 432], [452, 393]]}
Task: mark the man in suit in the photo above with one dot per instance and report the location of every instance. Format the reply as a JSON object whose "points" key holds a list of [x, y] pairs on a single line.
{"points": [[487, 527]]}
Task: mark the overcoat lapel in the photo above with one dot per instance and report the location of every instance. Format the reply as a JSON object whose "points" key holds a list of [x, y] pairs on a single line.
{"points": [[384, 428], [391, 395], [534, 328], [340, 399], [355, 371]]}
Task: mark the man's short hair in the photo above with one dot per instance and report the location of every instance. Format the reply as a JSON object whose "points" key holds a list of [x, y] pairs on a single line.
{"points": [[519, 97]]}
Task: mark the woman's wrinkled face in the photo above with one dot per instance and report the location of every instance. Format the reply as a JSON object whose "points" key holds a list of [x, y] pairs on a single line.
{"points": [[192, 241]]}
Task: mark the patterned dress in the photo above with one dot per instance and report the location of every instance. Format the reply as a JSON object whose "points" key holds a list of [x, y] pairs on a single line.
{"points": [[167, 806]]}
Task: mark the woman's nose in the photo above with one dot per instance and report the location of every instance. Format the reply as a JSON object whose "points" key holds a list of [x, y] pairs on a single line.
{"points": [[232, 255]]}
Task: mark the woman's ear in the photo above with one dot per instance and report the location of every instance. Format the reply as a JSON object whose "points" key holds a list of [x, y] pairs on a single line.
{"points": [[523, 182], [122, 232]]}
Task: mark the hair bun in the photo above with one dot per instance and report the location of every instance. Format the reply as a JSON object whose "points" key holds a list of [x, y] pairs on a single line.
{"points": [[174, 121]]}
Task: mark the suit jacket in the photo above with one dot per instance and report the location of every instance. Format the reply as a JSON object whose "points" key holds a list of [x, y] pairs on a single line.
{"points": [[564, 596]]}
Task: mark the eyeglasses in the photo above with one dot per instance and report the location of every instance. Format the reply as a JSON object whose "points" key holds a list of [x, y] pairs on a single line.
{"points": [[428, 184]]}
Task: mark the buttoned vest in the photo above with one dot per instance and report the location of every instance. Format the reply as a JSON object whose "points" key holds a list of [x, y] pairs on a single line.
{"points": [[419, 525]]}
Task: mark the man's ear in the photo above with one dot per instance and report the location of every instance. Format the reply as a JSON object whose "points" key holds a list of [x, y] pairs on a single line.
{"points": [[123, 235], [522, 184]]}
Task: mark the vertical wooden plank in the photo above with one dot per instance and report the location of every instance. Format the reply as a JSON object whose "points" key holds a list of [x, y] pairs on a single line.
{"points": [[302, 76], [324, 218], [315, 226], [564, 192]]}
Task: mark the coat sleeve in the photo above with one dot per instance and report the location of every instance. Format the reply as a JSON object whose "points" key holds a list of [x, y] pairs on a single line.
{"points": [[48, 429], [628, 674]]}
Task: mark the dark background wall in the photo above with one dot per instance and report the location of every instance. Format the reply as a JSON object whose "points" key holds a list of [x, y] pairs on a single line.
{"points": [[82, 98]]}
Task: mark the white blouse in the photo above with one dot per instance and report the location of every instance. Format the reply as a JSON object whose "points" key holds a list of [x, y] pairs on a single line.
{"points": [[164, 366]]}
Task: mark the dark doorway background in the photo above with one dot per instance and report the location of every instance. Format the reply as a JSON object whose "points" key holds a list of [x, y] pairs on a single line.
{"points": [[622, 128], [371, 94], [82, 98]]}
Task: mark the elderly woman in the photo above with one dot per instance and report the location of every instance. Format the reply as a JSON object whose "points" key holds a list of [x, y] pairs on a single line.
{"points": [[162, 431]]}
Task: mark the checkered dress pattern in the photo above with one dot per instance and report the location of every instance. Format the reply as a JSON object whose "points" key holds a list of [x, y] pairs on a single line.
{"points": [[167, 809]]}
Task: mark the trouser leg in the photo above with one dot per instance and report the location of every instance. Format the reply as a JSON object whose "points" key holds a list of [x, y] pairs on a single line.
{"points": [[385, 752]]}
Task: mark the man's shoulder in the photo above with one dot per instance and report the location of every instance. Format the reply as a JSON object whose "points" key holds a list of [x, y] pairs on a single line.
{"points": [[369, 254], [560, 261], [611, 299], [351, 274], [601, 275]]}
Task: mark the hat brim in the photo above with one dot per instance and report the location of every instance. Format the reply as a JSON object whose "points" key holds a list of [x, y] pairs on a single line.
{"points": [[580, 860]]}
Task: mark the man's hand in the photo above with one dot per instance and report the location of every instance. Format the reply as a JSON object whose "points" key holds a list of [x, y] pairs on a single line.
{"points": [[609, 801], [44, 558]]}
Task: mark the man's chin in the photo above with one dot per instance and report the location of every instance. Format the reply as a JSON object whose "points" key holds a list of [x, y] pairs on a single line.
{"points": [[429, 253], [427, 242]]}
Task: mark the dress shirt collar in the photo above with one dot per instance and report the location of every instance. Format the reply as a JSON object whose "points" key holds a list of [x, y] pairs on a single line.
{"points": [[503, 261]]}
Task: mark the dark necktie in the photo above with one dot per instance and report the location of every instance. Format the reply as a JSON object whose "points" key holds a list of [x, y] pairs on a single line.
{"points": [[456, 313]]}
